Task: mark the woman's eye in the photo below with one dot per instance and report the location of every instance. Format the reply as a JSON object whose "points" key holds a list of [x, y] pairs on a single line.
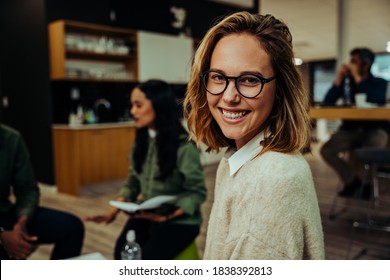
{"points": [[250, 80], [217, 78], [137, 105]]}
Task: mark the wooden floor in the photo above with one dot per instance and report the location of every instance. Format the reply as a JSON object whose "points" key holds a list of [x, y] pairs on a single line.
{"points": [[339, 233]]}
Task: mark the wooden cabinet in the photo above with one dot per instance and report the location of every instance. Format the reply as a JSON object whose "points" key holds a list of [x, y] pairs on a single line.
{"points": [[84, 51], [90, 154]]}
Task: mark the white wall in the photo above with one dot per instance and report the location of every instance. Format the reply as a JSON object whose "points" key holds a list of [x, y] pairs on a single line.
{"points": [[164, 57]]}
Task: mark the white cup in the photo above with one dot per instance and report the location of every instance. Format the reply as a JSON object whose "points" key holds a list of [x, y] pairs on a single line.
{"points": [[360, 100]]}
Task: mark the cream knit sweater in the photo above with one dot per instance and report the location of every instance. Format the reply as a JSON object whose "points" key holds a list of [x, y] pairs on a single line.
{"points": [[267, 210]]}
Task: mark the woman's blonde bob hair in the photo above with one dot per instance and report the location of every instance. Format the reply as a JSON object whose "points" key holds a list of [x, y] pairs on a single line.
{"points": [[288, 126]]}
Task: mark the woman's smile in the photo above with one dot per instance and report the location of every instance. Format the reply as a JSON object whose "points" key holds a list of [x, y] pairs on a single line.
{"points": [[233, 114]]}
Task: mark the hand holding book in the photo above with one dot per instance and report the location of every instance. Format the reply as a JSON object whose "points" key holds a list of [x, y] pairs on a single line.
{"points": [[160, 204]]}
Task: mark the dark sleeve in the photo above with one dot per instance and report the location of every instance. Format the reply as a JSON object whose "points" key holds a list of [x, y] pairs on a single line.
{"points": [[334, 93], [23, 181], [375, 90], [194, 183]]}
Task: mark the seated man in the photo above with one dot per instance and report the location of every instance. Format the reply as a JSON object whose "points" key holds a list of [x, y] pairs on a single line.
{"points": [[355, 134], [23, 224]]}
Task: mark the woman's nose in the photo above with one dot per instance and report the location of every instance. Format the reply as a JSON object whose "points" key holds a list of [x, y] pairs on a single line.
{"points": [[231, 93]]}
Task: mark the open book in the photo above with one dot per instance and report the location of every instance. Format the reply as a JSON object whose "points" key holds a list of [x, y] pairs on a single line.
{"points": [[153, 203]]}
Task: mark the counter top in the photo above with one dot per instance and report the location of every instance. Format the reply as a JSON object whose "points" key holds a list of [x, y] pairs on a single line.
{"points": [[93, 126], [89, 154]]}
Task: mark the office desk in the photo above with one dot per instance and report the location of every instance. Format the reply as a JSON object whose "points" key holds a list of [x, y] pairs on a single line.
{"points": [[321, 114], [352, 113]]}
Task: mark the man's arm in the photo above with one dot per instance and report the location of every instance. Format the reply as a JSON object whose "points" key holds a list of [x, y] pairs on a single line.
{"points": [[336, 91], [20, 178], [23, 181]]}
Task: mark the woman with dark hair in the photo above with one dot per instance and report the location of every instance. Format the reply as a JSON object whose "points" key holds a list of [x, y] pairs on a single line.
{"points": [[163, 162]]}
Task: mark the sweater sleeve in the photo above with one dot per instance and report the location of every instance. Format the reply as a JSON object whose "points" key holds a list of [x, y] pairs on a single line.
{"points": [[23, 181], [194, 191], [333, 95], [131, 187]]}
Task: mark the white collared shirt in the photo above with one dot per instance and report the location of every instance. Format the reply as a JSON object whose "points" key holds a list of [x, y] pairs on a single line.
{"points": [[237, 159], [152, 133]]}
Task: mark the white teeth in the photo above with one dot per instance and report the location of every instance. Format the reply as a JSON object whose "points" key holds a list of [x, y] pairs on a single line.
{"points": [[230, 115]]}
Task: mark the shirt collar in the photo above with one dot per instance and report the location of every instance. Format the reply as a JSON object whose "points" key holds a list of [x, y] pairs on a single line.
{"points": [[152, 133], [237, 159]]}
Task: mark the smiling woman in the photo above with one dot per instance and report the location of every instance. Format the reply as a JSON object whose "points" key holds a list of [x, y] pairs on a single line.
{"points": [[238, 117], [246, 94]]}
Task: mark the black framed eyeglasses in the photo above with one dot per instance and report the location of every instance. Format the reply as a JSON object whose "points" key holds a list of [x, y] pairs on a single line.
{"points": [[248, 85]]}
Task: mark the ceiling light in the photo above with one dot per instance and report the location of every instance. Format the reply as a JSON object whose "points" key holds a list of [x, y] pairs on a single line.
{"points": [[298, 61]]}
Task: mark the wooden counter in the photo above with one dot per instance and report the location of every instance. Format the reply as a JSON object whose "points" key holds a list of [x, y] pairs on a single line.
{"points": [[380, 113], [90, 154]]}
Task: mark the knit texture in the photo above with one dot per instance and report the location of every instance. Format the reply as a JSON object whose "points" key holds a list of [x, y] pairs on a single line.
{"points": [[267, 210]]}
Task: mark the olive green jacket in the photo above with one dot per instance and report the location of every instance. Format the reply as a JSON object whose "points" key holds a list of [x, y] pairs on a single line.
{"points": [[16, 174], [187, 181]]}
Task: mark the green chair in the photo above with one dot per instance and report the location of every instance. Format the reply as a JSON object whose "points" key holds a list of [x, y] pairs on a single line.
{"points": [[189, 253]]}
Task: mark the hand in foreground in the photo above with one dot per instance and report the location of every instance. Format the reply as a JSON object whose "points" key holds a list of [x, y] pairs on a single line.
{"points": [[17, 242]]}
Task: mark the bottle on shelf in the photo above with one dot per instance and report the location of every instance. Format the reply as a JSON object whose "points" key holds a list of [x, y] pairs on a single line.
{"points": [[75, 106], [131, 249], [347, 91], [79, 115], [91, 116]]}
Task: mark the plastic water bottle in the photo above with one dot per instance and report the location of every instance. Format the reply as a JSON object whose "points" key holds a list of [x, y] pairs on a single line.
{"points": [[347, 91], [131, 250]]}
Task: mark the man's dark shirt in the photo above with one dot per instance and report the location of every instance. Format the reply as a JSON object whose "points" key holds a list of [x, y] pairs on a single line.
{"points": [[375, 90], [16, 174]]}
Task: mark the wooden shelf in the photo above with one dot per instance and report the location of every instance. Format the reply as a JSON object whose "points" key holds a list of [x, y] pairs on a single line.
{"points": [[96, 29], [62, 55], [98, 56], [93, 80]]}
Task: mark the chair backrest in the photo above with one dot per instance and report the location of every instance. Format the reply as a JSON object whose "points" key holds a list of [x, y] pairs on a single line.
{"points": [[373, 155]]}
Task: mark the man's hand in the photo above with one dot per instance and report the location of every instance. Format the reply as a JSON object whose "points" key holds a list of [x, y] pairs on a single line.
{"points": [[355, 73], [344, 71], [17, 242]]}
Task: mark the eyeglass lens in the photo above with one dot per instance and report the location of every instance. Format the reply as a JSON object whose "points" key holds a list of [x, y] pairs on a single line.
{"points": [[248, 85]]}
